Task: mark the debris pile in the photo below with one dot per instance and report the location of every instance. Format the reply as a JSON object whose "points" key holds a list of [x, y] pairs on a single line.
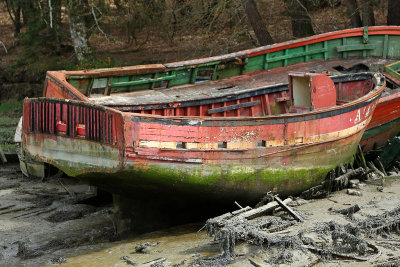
{"points": [[282, 235]]}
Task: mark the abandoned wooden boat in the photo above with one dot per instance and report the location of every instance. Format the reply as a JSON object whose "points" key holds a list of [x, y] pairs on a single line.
{"points": [[220, 146], [385, 122], [225, 126]]}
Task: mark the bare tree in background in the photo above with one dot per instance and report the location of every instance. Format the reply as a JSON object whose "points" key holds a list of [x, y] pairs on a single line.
{"points": [[393, 17], [14, 11], [368, 18], [263, 36], [354, 13], [77, 27], [301, 20]]}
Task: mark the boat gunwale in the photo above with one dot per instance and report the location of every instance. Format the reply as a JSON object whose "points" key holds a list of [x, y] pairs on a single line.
{"points": [[375, 92], [372, 30]]}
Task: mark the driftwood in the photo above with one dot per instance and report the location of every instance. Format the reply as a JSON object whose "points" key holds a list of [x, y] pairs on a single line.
{"points": [[2, 156], [334, 184], [228, 215], [372, 166], [156, 262], [288, 209], [254, 213], [127, 260], [337, 254], [349, 211]]}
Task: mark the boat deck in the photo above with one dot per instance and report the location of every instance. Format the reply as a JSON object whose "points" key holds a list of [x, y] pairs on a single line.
{"points": [[238, 84]]}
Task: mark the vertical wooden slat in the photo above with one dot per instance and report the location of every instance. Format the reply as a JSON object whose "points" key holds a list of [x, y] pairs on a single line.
{"points": [[105, 128], [344, 43], [194, 75], [97, 125], [44, 117], [68, 120], [101, 126], [92, 123], [214, 74], [86, 120], [41, 117], [32, 116], [285, 61], [73, 120], [37, 117], [111, 130], [53, 122], [61, 111], [385, 46], [307, 57], [48, 117], [266, 61]]}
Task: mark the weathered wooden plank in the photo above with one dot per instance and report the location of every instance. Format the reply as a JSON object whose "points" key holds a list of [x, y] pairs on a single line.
{"points": [[355, 47], [233, 107], [288, 209], [385, 46], [146, 81], [251, 214], [300, 54]]}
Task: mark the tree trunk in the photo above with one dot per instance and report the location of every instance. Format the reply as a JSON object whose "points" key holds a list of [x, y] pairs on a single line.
{"points": [[393, 17], [78, 31], [301, 20], [14, 11], [368, 18], [28, 11], [262, 34], [117, 3], [354, 13], [57, 23]]}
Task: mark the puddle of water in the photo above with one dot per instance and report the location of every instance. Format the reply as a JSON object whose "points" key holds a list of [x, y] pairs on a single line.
{"points": [[175, 245]]}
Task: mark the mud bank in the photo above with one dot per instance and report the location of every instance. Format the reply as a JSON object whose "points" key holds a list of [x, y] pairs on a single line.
{"points": [[40, 219], [47, 223], [185, 246]]}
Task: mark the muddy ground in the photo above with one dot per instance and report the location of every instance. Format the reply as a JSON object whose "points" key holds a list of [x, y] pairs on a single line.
{"points": [[45, 223], [40, 219]]}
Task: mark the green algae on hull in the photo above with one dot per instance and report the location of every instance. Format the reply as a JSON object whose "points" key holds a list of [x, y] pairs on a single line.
{"points": [[158, 179]]}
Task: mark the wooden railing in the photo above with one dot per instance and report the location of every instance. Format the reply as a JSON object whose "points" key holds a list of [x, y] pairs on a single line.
{"points": [[69, 118]]}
